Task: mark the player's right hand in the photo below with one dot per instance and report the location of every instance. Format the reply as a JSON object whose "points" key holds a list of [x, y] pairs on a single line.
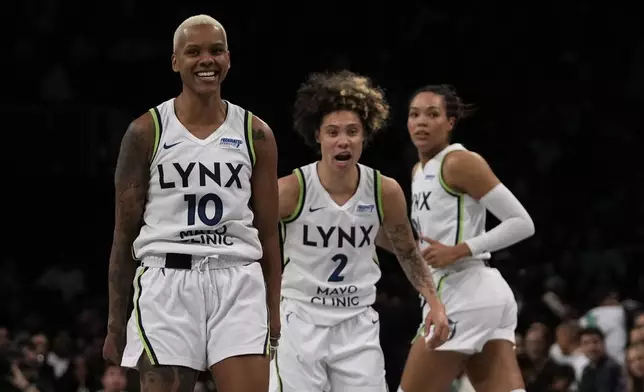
{"points": [[113, 347], [436, 326]]}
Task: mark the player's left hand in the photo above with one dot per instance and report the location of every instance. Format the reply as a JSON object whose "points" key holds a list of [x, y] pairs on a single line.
{"points": [[437, 254], [274, 334], [436, 325]]}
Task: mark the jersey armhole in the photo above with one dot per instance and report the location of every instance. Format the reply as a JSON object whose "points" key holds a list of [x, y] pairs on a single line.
{"points": [[300, 199], [158, 130], [248, 135], [442, 181], [377, 192]]}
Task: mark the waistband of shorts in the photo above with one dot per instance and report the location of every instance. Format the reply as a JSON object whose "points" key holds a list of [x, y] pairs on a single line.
{"points": [[189, 262], [459, 266]]}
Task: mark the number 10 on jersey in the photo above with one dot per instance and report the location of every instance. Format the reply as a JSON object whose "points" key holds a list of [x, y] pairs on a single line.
{"points": [[197, 208]]}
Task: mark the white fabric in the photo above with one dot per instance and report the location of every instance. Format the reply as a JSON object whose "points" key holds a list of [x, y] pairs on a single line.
{"points": [[331, 267], [515, 225], [198, 317], [199, 191], [343, 357], [480, 307]]}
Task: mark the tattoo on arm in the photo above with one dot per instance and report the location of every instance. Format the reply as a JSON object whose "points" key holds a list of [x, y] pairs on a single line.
{"points": [[131, 184], [166, 378], [410, 259]]}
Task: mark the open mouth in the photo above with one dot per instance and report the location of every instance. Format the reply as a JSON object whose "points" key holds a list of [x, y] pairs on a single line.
{"points": [[343, 156], [207, 76]]}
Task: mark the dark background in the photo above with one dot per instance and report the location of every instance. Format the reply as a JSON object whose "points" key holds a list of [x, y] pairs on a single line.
{"points": [[559, 87]]}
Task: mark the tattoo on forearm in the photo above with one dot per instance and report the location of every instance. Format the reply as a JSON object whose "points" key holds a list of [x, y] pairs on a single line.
{"points": [[258, 134], [131, 183], [410, 259], [166, 378]]}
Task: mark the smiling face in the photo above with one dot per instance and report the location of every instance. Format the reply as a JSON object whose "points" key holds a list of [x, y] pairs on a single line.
{"points": [[427, 122], [201, 57], [341, 137]]}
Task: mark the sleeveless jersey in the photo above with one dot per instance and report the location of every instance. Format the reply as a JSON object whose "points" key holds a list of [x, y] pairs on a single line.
{"points": [[199, 190], [330, 262], [443, 214]]}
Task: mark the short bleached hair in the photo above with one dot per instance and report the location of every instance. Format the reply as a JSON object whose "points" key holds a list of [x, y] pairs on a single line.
{"points": [[197, 20]]}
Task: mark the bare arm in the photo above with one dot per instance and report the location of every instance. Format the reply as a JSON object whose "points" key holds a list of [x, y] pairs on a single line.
{"points": [[401, 237], [289, 195], [469, 173], [131, 184], [266, 207], [383, 242]]}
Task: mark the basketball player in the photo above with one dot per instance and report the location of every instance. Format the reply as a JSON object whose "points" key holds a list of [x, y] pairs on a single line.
{"points": [[331, 211], [451, 190], [199, 174]]}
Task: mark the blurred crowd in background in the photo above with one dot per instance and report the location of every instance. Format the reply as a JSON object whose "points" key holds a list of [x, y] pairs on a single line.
{"points": [[558, 120]]}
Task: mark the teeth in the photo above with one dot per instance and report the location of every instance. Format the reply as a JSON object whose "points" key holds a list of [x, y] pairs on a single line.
{"points": [[206, 74]]}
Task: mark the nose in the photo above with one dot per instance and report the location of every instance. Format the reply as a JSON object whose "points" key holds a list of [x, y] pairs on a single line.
{"points": [[343, 141], [207, 60], [422, 120]]}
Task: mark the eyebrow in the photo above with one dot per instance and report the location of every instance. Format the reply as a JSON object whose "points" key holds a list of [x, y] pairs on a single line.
{"points": [[428, 107]]}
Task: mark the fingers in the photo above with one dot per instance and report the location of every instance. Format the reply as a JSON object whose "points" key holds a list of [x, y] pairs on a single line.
{"points": [[438, 337], [428, 240]]}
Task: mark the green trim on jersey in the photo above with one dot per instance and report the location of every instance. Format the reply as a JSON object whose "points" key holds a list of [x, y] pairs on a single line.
{"points": [[460, 201], [300, 199], [447, 188], [377, 193], [158, 130], [138, 289], [277, 369], [282, 238], [248, 135]]}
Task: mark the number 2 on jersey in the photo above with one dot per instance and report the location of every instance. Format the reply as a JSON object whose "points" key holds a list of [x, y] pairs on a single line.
{"points": [[342, 260], [198, 208]]}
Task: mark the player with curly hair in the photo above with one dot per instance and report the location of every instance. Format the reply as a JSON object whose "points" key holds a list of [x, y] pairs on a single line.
{"points": [[331, 211]]}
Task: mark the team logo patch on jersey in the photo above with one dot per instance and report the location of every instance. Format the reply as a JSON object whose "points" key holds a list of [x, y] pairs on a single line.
{"points": [[365, 208], [227, 142]]}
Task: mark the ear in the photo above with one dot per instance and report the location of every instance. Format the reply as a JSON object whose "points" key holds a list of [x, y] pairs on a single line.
{"points": [[229, 59], [451, 121], [175, 68]]}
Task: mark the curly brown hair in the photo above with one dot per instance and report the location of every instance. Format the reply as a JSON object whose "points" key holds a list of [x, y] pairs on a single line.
{"points": [[325, 93]]}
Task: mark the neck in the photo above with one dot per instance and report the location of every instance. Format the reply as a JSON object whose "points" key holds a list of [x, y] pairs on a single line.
{"points": [[425, 156], [338, 181], [200, 109]]}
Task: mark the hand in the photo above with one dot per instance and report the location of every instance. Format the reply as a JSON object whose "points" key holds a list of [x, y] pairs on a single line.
{"points": [[436, 325], [114, 346], [17, 378], [275, 334], [439, 255]]}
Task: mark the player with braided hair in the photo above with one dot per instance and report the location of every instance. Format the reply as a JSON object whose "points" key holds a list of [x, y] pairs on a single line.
{"points": [[331, 211]]}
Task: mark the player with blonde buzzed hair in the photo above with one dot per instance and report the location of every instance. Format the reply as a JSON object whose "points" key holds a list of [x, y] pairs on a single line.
{"points": [[197, 205]]}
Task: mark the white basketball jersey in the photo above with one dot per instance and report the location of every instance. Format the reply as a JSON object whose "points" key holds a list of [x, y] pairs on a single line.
{"points": [[443, 214], [330, 262], [199, 190]]}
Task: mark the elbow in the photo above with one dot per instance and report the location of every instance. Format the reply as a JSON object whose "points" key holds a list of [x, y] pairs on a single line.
{"points": [[529, 227]]}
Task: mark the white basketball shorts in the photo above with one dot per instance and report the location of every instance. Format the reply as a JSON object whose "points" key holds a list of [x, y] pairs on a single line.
{"points": [[197, 317], [480, 307], [315, 358]]}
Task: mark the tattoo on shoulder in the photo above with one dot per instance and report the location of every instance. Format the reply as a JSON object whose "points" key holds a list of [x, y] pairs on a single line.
{"points": [[258, 134], [166, 378]]}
